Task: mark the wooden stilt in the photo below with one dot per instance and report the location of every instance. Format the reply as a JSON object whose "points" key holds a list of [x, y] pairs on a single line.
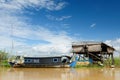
{"points": [[112, 58]]}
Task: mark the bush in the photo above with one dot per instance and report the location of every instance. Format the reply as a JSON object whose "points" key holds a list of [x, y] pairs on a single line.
{"points": [[4, 59], [5, 63], [117, 61], [3, 55]]}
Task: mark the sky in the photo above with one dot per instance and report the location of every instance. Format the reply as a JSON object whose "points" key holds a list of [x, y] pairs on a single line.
{"points": [[48, 27]]}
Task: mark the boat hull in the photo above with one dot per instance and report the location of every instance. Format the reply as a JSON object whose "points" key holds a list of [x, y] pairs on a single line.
{"points": [[12, 64], [40, 66]]}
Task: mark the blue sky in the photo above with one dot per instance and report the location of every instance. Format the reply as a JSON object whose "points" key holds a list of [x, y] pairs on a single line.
{"points": [[103, 14], [40, 25]]}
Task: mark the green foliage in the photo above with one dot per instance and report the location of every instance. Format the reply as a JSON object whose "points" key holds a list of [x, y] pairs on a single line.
{"points": [[117, 61], [5, 63], [89, 66], [4, 58], [106, 64], [3, 55]]}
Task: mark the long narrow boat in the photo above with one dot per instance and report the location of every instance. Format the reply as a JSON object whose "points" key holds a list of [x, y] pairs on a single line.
{"points": [[56, 61]]}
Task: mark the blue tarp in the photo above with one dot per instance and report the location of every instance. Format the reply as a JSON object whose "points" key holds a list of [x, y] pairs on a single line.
{"points": [[73, 63]]}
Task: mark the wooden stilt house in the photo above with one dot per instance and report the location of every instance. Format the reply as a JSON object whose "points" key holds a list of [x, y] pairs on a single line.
{"points": [[94, 52]]}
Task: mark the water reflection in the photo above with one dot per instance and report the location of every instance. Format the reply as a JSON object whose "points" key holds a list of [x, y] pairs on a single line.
{"points": [[59, 74]]}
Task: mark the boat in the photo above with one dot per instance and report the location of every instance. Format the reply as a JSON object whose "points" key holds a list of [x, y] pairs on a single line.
{"points": [[54, 61]]}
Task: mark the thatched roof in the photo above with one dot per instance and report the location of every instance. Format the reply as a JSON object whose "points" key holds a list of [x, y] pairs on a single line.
{"points": [[92, 47]]}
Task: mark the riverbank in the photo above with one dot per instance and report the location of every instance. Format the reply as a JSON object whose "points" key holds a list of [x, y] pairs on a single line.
{"points": [[116, 64], [4, 63]]}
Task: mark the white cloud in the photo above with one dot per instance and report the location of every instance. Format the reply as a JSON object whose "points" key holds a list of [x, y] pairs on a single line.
{"points": [[93, 25], [37, 4], [59, 42], [114, 43], [23, 32], [58, 18]]}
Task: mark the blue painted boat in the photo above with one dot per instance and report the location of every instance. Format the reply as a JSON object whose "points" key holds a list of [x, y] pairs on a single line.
{"points": [[55, 61]]}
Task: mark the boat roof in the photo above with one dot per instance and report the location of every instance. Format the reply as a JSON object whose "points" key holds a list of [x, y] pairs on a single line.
{"points": [[46, 57]]}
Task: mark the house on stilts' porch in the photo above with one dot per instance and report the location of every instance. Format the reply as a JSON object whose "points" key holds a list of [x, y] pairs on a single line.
{"points": [[93, 52]]}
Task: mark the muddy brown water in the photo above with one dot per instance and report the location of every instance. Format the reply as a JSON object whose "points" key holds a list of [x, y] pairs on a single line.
{"points": [[59, 74]]}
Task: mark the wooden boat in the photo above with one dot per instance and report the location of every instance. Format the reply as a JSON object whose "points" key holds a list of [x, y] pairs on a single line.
{"points": [[55, 61]]}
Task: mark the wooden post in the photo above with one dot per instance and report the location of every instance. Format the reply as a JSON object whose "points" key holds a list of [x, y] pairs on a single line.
{"points": [[101, 57], [79, 58], [112, 58], [108, 59]]}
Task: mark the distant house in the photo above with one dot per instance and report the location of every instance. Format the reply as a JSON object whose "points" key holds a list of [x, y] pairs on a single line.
{"points": [[94, 51]]}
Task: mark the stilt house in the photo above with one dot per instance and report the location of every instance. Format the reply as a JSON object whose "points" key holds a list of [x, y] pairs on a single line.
{"points": [[94, 52]]}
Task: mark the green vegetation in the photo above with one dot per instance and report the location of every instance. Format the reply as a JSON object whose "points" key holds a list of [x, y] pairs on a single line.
{"points": [[3, 55], [117, 61], [5, 63], [106, 64], [3, 58], [89, 66]]}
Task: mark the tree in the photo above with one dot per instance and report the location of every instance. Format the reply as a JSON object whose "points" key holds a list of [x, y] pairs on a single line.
{"points": [[3, 55]]}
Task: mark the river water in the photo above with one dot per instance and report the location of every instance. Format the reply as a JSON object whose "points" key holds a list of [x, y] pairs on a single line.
{"points": [[59, 74]]}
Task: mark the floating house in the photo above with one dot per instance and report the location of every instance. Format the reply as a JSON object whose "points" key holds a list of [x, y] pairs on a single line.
{"points": [[93, 52]]}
